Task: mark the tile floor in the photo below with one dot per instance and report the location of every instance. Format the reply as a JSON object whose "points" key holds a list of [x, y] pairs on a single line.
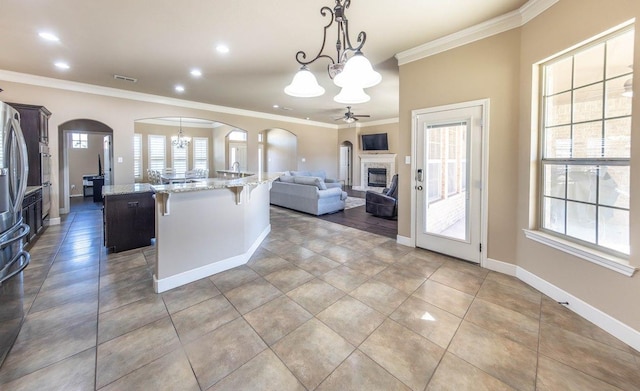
{"points": [[320, 306]]}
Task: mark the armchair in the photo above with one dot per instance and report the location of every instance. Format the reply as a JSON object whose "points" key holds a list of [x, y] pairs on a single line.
{"points": [[383, 204]]}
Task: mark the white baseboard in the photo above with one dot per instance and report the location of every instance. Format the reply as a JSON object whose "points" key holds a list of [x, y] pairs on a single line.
{"points": [[405, 241], [54, 220], [501, 267], [606, 322], [184, 278]]}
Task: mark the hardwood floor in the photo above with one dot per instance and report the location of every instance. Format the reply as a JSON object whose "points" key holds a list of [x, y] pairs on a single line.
{"points": [[358, 218]]}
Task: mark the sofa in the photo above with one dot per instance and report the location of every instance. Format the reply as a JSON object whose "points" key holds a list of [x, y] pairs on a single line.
{"points": [[309, 192]]}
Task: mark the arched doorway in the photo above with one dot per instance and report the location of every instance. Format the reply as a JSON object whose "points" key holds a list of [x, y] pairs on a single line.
{"points": [[86, 146], [345, 170]]}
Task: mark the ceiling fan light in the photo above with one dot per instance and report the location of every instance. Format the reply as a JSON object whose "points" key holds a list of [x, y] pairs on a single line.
{"points": [[358, 72], [304, 85], [352, 95], [628, 89]]}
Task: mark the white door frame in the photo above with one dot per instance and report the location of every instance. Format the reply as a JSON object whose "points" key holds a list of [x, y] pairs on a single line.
{"points": [[484, 221]]}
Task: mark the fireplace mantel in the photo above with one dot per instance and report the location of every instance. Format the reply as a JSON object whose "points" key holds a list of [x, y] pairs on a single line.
{"points": [[376, 160]]}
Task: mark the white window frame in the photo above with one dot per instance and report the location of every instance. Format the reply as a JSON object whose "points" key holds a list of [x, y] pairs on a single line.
{"points": [[200, 154], [157, 159], [79, 140], [180, 159], [137, 156], [591, 252]]}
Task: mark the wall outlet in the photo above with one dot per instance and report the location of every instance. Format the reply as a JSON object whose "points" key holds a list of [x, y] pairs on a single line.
{"points": [[73, 187]]}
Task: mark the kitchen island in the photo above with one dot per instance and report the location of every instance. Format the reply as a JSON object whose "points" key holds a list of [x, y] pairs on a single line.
{"points": [[128, 216], [209, 226]]}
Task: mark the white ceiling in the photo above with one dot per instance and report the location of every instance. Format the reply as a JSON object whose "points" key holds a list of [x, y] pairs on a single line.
{"points": [[159, 41]]}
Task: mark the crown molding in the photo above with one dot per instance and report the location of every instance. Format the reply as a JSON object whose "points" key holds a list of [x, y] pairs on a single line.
{"points": [[497, 25], [371, 123], [41, 81], [379, 122]]}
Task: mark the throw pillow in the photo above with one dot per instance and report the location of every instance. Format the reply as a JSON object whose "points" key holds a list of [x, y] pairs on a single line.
{"points": [[320, 174], [310, 181], [300, 173], [286, 178]]}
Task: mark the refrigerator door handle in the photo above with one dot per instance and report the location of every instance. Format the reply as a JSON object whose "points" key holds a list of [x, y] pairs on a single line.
{"points": [[27, 259], [21, 186], [25, 231]]}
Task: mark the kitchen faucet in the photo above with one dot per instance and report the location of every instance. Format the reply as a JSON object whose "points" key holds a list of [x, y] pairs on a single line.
{"points": [[235, 166]]}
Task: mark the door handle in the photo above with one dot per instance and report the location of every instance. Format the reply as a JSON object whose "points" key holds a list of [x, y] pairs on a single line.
{"points": [[22, 254], [419, 175], [18, 189]]}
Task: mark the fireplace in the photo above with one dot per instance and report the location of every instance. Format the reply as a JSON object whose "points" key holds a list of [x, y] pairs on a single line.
{"points": [[386, 161], [377, 177]]}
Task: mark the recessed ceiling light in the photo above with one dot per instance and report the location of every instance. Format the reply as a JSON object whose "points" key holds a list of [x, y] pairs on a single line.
{"points": [[222, 48], [275, 106], [179, 88], [62, 65], [308, 118], [49, 36], [196, 72]]}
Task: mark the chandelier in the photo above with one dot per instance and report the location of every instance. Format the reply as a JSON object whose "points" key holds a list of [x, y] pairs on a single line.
{"points": [[180, 141], [350, 70]]}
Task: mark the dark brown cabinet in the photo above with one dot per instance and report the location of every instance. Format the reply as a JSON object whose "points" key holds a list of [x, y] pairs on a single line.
{"points": [[34, 122], [129, 220], [32, 213]]}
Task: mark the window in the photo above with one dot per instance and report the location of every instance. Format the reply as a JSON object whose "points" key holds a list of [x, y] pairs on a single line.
{"points": [[179, 158], [238, 135], [434, 164], [586, 133], [137, 156], [201, 153], [446, 160], [79, 140], [157, 152]]}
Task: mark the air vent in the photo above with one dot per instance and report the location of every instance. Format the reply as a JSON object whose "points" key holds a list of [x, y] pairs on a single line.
{"points": [[125, 78], [286, 108]]}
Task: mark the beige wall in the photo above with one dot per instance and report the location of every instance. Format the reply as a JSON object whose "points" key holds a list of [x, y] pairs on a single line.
{"points": [[281, 149], [316, 144], [484, 69], [568, 23], [501, 68], [84, 161]]}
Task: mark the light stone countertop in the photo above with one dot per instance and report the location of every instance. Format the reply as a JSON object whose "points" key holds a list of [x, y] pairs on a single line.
{"points": [[31, 189], [217, 183], [110, 190]]}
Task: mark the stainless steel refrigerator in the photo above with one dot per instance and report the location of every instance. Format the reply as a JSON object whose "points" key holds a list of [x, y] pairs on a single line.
{"points": [[13, 259]]}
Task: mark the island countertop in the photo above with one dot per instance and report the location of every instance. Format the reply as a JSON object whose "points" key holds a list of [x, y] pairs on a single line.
{"points": [[216, 183], [31, 189], [132, 188]]}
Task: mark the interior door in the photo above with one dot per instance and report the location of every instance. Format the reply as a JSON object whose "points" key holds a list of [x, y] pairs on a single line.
{"points": [[345, 165], [107, 159], [448, 181], [238, 153]]}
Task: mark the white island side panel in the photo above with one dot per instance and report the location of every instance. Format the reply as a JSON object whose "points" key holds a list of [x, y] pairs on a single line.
{"points": [[207, 232]]}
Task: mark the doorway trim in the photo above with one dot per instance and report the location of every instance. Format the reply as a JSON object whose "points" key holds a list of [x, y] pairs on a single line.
{"points": [[484, 221], [83, 125]]}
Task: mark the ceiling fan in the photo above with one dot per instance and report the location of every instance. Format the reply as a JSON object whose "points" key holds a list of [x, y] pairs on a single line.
{"points": [[349, 117]]}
